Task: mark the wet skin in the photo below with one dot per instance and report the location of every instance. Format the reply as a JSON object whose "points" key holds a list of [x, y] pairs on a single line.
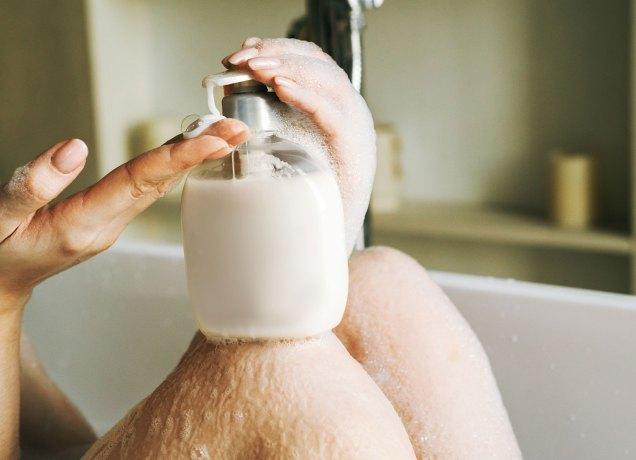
{"points": [[309, 399], [421, 380], [300, 399]]}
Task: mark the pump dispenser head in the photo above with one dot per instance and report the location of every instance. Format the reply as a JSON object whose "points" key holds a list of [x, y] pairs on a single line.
{"points": [[228, 81], [244, 99]]}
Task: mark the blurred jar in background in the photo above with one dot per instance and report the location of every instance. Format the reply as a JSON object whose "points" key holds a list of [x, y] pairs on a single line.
{"points": [[572, 189], [387, 193]]}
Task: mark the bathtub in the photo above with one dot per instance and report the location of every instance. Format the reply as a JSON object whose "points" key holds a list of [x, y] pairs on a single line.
{"points": [[109, 330]]}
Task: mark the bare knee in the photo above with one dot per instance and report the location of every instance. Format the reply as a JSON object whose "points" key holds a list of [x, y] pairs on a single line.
{"points": [[387, 282], [384, 257], [421, 352], [393, 298]]}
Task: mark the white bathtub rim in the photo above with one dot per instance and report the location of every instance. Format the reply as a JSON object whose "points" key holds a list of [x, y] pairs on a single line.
{"points": [[448, 280]]}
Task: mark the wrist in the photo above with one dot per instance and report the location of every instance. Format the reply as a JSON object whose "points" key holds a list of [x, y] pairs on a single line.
{"points": [[10, 329], [12, 300]]}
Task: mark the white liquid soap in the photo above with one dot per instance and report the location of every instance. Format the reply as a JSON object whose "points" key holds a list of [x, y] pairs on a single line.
{"points": [[265, 256], [264, 242]]}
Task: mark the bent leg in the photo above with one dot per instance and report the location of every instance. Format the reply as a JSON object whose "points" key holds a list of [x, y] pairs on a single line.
{"points": [[416, 346], [293, 399]]}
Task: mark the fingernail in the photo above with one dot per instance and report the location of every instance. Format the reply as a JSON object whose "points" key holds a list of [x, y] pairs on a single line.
{"points": [[263, 63], [243, 55], [252, 41], [286, 82], [69, 156]]}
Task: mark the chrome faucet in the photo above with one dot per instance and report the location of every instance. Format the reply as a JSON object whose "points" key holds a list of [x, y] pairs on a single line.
{"points": [[336, 26]]}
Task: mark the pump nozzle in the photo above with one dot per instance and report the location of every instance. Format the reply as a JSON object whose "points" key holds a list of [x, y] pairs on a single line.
{"points": [[232, 82], [210, 82], [245, 99], [229, 77]]}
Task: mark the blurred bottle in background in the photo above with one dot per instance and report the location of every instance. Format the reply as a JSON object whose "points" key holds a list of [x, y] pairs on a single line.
{"points": [[387, 188], [572, 189]]}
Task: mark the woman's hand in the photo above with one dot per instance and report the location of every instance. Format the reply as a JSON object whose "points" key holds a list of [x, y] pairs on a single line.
{"points": [[38, 240], [303, 76]]}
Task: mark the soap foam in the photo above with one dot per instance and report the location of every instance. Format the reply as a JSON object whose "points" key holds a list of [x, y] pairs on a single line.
{"points": [[351, 157], [18, 184], [199, 452]]}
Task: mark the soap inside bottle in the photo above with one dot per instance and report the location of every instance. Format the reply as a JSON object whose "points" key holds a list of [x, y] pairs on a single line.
{"points": [[264, 243]]}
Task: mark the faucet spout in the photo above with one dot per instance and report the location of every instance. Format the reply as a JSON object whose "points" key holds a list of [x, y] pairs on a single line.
{"points": [[336, 26]]}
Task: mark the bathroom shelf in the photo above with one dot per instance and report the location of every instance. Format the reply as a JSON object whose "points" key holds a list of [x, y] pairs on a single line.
{"points": [[485, 224]]}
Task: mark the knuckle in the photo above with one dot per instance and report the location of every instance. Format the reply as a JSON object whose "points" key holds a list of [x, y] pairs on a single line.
{"points": [[107, 243], [139, 186], [265, 43], [74, 243], [101, 245], [137, 189], [316, 51], [303, 44]]}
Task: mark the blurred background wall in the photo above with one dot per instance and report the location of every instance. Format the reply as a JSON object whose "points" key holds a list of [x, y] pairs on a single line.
{"points": [[45, 90], [479, 91], [482, 89]]}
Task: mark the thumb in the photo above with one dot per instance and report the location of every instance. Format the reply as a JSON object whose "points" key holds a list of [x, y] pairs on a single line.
{"points": [[38, 182]]}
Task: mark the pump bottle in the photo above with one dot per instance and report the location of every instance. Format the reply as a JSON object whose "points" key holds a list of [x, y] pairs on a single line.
{"points": [[263, 229]]}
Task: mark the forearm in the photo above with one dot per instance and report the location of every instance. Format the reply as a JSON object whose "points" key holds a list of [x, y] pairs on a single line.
{"points": [[49, 422], [10, 327]]}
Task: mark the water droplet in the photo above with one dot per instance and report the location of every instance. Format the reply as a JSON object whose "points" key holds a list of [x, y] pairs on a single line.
{"points": [[188, 120], [168, 426], [155, 426], [199, 452]]}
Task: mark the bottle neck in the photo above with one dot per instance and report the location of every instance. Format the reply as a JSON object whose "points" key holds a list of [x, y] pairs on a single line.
{"points": [[257, 109], [249, 86]]}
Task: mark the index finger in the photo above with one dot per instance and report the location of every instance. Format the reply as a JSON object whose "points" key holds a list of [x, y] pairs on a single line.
{"points": [[129, 189], [132, 187], [232, 130]]}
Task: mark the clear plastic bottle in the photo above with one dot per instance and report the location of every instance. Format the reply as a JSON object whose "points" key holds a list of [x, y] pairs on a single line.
{"points": [[263, 238]]}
